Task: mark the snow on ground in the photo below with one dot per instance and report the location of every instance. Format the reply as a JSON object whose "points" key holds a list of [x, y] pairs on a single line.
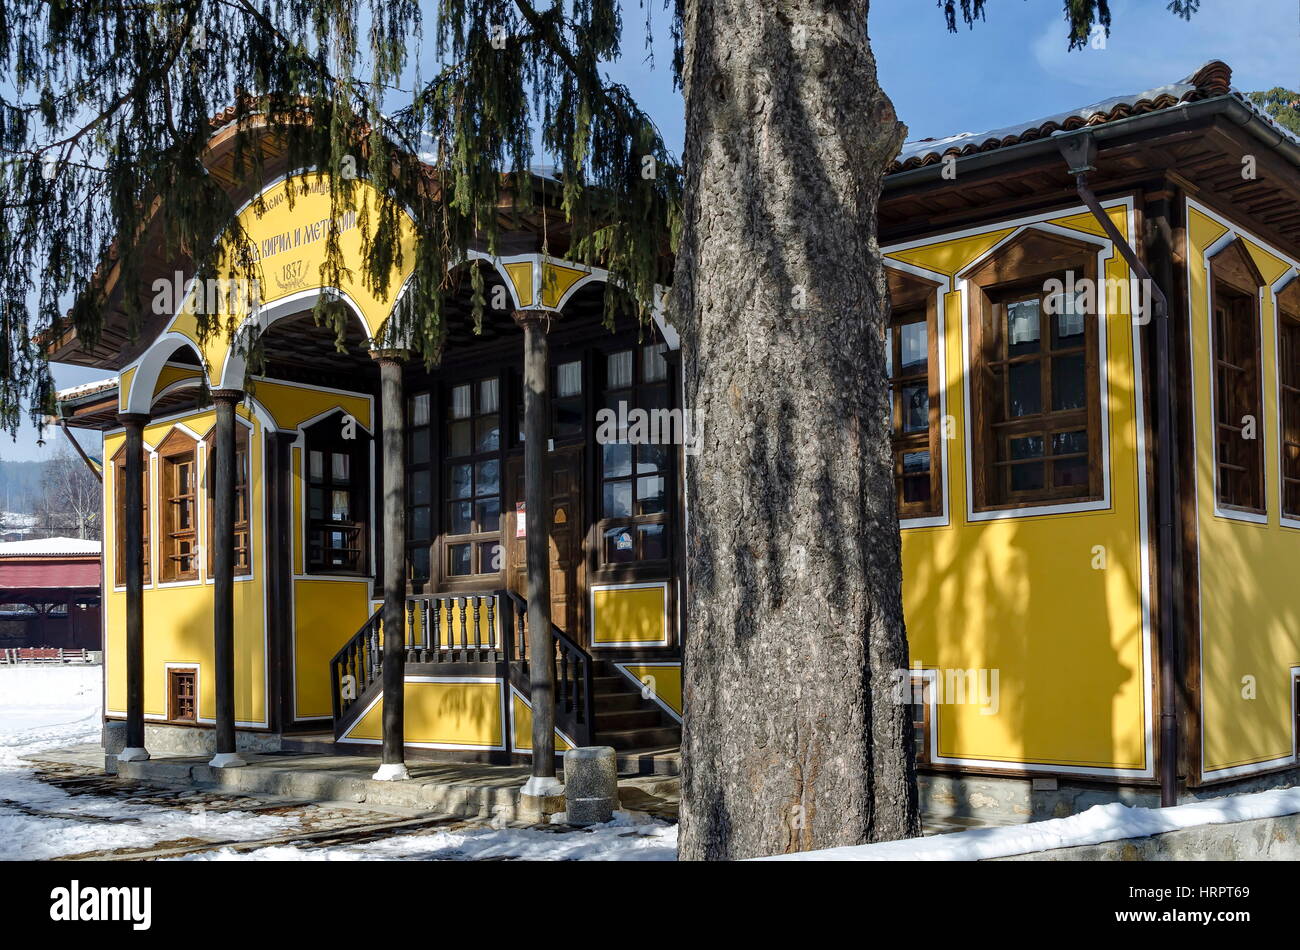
{"points": [[49, 707], [627, 838], [1099, 823]]}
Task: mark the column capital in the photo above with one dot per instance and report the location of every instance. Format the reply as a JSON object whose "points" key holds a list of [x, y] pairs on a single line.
{"points": [[134, 419], [227, 395], [539, 318], [390, 355]]}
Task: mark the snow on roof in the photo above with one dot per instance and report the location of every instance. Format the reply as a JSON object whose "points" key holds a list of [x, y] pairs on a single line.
{"points": [[1211, 79], [87, 389], [49, 547]]}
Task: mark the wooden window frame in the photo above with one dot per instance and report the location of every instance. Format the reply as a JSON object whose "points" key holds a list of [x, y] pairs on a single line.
{"points": [[1235, 285], [179, 449], [174, 674], [1288, 362], [477, 539], [423, 436], [243, 519], [119, 520], [910, 296], [601, 524], [1016, 272], [920, 700], [325, 436]]}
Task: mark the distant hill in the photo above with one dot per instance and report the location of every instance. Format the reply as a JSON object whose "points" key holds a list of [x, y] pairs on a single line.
{"points": [[22, 485]]}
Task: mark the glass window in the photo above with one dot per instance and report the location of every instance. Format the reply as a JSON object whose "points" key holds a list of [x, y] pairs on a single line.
{"points": [[907, 362], [472, 479], [337, 499]]}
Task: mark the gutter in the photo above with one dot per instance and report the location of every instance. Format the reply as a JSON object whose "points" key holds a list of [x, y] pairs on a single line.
{"points": [[1079, 149]]}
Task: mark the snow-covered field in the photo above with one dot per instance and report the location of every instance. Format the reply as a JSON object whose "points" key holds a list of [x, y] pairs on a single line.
{"points": [[50, 707]]}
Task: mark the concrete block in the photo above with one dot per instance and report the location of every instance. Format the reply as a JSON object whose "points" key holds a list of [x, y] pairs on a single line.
{"points": [[590, 784], [114, 737], [538, 809]]}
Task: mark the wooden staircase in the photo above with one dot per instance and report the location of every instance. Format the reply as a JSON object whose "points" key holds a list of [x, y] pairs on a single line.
{"points": [[625, 719]]}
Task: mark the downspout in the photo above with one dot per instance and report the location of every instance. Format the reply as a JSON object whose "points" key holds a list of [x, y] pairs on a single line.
{"points": [[1079, 151]]}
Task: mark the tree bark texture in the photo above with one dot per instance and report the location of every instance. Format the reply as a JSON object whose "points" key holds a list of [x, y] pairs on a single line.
{"points": [[794, 738]]}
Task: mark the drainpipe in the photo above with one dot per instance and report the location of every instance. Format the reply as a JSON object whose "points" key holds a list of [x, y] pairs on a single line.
{"points": [[80, 451], [1079, 151]]}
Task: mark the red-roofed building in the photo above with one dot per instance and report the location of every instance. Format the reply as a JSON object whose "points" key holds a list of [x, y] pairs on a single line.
{"points": [[50, 594]]}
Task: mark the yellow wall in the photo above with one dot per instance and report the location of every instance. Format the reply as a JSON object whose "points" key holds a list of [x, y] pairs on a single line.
{"points": [[663, 681], [464, 714], [628, 615], [1249, 598], [1020, 595], [178, 616]]}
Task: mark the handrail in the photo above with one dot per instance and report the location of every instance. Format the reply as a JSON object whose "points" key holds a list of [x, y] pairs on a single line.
{"points": [[361, 659], [574, 689], [472, 631]]}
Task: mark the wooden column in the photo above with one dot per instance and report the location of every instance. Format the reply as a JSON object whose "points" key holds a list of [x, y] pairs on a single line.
{"points": [[223, 574], [537, 505], [133, 560], [393, 521]]}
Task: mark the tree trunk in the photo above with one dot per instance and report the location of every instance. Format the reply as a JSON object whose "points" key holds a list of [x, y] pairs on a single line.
{"points": [[794, 738]]}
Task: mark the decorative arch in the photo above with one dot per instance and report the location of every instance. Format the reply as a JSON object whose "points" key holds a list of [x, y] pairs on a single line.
{"points": [[139, 388]]}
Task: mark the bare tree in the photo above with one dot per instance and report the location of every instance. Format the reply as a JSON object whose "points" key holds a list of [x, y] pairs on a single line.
{"points": [[71, 501]]}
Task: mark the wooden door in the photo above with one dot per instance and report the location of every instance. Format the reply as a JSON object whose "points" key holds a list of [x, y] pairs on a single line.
{"points": [[566, 518]]}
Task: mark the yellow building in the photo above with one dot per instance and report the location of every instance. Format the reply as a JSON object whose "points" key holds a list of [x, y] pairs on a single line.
{"points": [[1090, 596]]}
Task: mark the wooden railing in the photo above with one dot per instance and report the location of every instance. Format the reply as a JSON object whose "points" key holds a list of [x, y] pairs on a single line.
{"points": [[574, 699], [483, 628], [457, 628], [358, 664]]}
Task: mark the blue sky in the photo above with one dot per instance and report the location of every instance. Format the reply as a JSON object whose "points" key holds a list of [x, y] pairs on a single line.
{"points": [[1012, 68]]}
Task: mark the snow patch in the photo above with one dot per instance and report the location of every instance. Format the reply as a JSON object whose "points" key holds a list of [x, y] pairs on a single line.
{"points": [[1111, 822]]}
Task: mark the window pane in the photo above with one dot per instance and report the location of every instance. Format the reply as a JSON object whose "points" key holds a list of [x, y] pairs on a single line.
{"points": [[487, 434], [1069, 443], [651, 458], [340, 505], [420, 409], [1026, 477], [568, 417], [488, 392], [915, 407], [1069, 389], [618, 499], [458, 560], [486, 478], [458, 439], [1067, 322], [1027, 448], [489, 557], [340, 467], [619, 545], [889, 351], [420, 447], [420, 522], [916, 463], [489, 514], [654, 367], [619, 370], [650, 495], [317, 465], [654, 542], [1024, 384], [316, 503], [1071, 472], [916, 489], [1023, 331], [460, 402], [458, 518], [568, 379], [421, 487], [915, 349], [618, 459], [460, 482], [420, 562]]}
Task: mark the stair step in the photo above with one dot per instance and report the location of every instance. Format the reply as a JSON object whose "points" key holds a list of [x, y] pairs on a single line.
{"points": [[611, 684], [619, 720], [639, 738], [616, 702]]}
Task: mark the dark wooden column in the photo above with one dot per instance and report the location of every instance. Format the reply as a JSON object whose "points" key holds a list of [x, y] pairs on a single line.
{"points": [[393, 522], [537, 505], [223, 574], [133, 560]]}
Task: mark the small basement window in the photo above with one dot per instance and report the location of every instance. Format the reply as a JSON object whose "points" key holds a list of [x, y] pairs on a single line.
{"points": [[182, 695]]}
